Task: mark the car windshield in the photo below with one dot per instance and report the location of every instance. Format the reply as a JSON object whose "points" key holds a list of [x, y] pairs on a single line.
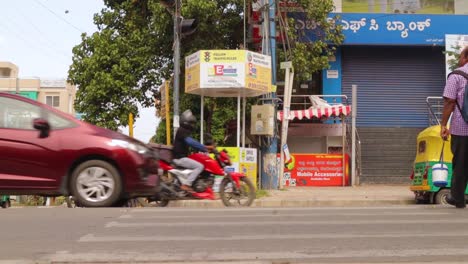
{"points": [[17, 114]]}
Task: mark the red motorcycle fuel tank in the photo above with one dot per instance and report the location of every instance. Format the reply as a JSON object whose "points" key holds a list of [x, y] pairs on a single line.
{"points": [[211, 165]]}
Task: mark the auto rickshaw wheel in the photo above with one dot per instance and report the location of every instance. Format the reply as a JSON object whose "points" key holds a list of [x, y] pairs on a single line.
{"points": [[440, 197]]}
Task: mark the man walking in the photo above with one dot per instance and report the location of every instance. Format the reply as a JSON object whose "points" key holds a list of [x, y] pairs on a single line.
{"points": [[453, 102]]}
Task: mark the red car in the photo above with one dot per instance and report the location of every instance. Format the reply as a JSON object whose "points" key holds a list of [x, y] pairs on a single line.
{"points": [[46, 152]]}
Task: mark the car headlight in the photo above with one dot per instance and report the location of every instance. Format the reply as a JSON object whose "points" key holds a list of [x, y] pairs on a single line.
{"points": [[129, 145]]}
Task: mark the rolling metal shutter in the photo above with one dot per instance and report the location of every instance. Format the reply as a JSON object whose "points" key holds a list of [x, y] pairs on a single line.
{"points": [[393, 83]]}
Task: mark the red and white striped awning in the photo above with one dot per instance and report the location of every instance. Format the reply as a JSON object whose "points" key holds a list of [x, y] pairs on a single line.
{"points": [[319, 112]]}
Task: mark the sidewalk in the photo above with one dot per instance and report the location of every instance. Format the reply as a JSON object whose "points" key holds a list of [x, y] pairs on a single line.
{"points": [[363, 195]]}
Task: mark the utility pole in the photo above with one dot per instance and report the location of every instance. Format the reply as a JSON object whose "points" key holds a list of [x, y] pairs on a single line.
{"points": [[176, 64], [269, 168], [182, 27], [167, 112]]}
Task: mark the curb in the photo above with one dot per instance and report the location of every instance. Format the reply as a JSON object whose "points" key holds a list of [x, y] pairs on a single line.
{"points": [[293, 203]]}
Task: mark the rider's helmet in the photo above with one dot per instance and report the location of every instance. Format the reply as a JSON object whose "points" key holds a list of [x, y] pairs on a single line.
{"points": [[188, 120]]}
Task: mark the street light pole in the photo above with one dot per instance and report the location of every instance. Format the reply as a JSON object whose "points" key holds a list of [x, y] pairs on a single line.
{"points": [[176, 64]]}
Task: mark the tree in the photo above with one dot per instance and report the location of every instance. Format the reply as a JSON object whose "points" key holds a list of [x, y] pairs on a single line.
{"points": [[454, 56], [312, 55], [125, 61]]}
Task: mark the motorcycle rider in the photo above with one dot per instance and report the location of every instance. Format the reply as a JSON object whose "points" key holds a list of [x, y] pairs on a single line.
{"points": [[182, 143]]}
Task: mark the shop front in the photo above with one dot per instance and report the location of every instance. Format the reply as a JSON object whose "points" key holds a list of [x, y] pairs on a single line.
{"points": [[396, 61]]}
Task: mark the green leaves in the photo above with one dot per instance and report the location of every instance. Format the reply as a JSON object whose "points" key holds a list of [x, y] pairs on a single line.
{"points": [[312, 56], [123, 64], [454, 56]]}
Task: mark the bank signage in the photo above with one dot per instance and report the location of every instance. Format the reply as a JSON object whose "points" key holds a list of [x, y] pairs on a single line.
{"points": [[391, 29]]}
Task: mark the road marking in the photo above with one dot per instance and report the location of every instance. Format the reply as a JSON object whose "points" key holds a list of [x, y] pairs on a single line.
{"points": [[287, 223], [127, 216], [93, 238], [250, 209]]}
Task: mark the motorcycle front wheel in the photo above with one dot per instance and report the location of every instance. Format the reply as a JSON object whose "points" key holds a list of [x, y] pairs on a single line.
{"points": [[242, 197]]}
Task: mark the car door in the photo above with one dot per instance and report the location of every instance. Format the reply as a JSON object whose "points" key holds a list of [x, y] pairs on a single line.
{"points": [[27, 161]]}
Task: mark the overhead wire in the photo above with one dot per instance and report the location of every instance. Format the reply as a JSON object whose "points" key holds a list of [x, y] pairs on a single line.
{"points": [[28, 42], [50, 44], [60, 17]]}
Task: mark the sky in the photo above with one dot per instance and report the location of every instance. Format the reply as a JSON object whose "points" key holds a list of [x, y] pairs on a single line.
{"points": [[38, 36]]}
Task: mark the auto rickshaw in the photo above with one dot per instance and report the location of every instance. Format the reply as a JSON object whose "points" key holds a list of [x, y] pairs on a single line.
{"points": [[429, 146], [5, 201]]}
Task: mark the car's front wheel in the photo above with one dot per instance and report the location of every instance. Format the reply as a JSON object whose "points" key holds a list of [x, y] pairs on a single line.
{"points": [[96, 183]]}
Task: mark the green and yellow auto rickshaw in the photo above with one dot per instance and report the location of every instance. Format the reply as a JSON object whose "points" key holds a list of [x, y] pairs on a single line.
{"points": [[5, 201], [428, 153]]}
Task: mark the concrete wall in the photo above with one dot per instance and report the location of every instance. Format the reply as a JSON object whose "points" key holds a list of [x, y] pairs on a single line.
{"points": [[66, 94], [10, 80]]}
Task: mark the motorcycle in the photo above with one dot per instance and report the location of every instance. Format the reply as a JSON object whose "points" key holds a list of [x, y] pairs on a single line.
{"points": [[235, 188]]}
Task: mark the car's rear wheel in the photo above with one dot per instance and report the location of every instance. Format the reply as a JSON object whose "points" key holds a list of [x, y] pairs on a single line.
{"points": [[96, 183]]}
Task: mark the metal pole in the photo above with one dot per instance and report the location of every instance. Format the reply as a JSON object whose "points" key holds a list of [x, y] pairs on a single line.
{"points": [[353, 133], [343, 149], [284, 127], [272, 39], [202, 117], [130, 125], [238, 120], [168, 115], [244, 105], [176, 65], [269, 171], [245, 19]]}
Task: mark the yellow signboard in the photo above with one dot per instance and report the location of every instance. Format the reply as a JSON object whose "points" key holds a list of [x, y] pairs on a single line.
{"points": [[227, 73], [192, 72], [243, 160]]}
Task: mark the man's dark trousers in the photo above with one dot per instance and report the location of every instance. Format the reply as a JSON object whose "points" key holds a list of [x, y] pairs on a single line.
{"points": [[460, 168]]}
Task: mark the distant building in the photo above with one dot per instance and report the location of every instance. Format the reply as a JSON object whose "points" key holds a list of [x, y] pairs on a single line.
{"points": [[57, 93]]}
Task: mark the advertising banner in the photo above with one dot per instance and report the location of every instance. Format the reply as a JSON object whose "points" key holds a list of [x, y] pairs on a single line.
{"points": [[243, 160], [316, 170], [192, 72], [222, 68], [259, 69], [227, 73]]}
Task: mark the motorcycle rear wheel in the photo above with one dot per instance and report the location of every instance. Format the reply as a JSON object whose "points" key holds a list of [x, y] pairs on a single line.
{"points": [[243, 198]]}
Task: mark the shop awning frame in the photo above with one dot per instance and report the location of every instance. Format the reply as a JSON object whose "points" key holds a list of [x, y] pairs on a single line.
{"points": [[317, 112]]}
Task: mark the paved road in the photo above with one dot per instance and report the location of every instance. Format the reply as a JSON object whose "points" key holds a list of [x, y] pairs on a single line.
{"points": [[413, 234]]}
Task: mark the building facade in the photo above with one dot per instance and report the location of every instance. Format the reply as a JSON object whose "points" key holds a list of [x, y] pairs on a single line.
{"points": [[394, 51], [54, 92]]}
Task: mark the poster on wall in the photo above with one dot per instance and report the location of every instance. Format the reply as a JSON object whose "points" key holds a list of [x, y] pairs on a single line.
{"points": [[453, 43], [316, 170], [243, 160], [399, 6]]}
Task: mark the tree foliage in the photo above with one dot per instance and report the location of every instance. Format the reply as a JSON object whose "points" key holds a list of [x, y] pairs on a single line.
{"points": [[123, 64], [308, 54], [454, 57]]}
